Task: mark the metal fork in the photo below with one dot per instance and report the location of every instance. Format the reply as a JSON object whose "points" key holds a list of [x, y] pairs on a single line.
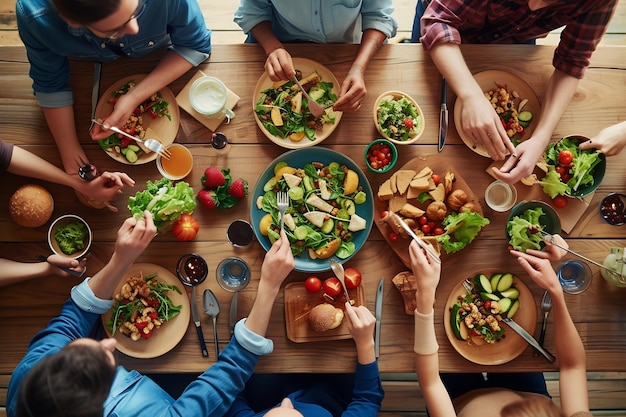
{"points": [[314, 107], [152, 144], [282, 200], [467, 284]]}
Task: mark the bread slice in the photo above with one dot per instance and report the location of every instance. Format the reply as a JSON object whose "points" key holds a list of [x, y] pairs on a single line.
{"points": [[397, 202], [403, 178], [384, 191], [420, 184], [425, 172], [439, 193], [409, 210]]}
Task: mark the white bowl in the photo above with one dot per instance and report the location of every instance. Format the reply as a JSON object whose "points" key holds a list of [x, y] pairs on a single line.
{"points": [[64, 221]]}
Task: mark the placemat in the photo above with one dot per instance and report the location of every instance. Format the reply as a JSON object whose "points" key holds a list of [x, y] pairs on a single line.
{"points": [[211, 122], [568, 215]]}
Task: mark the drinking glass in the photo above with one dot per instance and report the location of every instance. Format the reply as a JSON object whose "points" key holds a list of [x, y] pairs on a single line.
{"points": [[233, 274], [575, 276]]}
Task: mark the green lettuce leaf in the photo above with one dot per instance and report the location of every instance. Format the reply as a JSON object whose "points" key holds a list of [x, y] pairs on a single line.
{"points": [[552, 184], [520, 230], [464, 227]]}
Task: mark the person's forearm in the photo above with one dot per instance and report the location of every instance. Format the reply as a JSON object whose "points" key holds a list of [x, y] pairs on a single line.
{"points": [[61, 123], [365, 353], [261, 310], [370, 43], [171, 67], [12, 272], [30, 165], [264, 35], [103, 283], [451, 64], [569, 347], [559, 92]]}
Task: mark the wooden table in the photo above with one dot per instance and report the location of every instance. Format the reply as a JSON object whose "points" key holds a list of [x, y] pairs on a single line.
{"points": [[598, 313]]}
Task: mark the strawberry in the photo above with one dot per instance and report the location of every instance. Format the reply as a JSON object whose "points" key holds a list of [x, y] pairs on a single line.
{"points": [[238, 189], [208, 199], [212, 178]]}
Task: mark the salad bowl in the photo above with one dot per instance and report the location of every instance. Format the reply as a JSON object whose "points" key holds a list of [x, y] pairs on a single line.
{"points": [[306, 67], [549, 220], [298, 159], [398, 117]]}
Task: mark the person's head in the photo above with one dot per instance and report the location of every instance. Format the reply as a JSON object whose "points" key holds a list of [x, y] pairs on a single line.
{"points": [[72, 382], [532, 407], [285, 409], [105, 18]]}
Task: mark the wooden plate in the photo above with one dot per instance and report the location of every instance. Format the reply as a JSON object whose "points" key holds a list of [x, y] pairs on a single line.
{"points": [[298, 301], [307, 66], [164, 129], [487, 81], [440, 165], [508, 348], [170, 333]]}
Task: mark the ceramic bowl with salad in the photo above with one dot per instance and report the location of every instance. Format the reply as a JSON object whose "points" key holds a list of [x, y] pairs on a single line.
{"points": [[282, 113], [527, 223], [572, 172], [70, 236], [331, 206], [398, 117]]}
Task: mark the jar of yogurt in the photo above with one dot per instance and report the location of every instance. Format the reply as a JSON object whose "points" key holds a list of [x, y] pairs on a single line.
{"points": [[208, 96]]}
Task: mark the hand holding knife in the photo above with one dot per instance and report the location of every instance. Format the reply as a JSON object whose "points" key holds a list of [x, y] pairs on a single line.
{"points": [[443, 114], [378, 314]]}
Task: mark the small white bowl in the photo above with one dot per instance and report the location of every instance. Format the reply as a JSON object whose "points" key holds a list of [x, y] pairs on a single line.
{"points": [[64, 221], [395, 96]]}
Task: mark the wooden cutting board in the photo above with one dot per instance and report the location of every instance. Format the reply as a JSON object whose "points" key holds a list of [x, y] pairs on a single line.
{"points": [[440, 165], [298, 302]]}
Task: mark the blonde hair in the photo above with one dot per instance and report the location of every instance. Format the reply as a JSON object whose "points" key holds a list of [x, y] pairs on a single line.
{"points": [[534, 406]]}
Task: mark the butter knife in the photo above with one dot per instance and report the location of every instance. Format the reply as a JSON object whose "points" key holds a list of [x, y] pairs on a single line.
{"points": [[232, 317], [528, 337], [196, 321], [443, 114], [419, 241], [95, 91], [378, 310]]}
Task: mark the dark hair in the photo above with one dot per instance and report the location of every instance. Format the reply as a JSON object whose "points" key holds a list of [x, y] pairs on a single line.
{"points": [[85, 12], [71, 383]]}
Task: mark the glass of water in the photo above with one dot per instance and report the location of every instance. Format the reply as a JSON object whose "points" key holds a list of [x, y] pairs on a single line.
{"points": [[233, 274], [574, 276]]}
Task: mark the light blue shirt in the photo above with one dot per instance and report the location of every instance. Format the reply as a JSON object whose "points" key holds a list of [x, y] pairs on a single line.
{"points": [[319, 21], [49, 41]]}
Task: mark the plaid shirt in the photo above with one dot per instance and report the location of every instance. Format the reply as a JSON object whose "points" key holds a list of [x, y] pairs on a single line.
{"points": [[511, 21]]}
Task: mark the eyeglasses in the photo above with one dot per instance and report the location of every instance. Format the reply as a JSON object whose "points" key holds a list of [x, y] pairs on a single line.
{"points": [[116, 32]]}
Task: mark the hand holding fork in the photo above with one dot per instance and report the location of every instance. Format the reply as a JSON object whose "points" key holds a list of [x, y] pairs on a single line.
{"points": [[282, 201], [152, 144]]}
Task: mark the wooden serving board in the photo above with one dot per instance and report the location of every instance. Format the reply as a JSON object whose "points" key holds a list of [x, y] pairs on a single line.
{"points": [[298, 302], [440, 165]]}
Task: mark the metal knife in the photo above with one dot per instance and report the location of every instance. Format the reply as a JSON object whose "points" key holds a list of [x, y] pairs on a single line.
{"points": [[232, 317], [212, 308], [443, 114], [379, 314], [528, 337], [95, 91], [419, 241], [196, 320]]}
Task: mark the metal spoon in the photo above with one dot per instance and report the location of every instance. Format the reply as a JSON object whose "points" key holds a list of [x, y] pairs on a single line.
{"points": [[212, 308], [339, 273], [546, 306]]}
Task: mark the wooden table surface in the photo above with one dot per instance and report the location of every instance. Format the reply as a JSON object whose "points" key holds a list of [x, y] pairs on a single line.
{"points": [[598, 314]]}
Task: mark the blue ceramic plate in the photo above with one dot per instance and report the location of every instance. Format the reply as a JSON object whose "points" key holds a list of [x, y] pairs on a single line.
{"points": [[298, 159], [549, 219]]}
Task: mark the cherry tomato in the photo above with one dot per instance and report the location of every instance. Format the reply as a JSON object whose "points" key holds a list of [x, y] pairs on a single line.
{"points": [[438, 231], [565, 157], [393, 236], [425, 229], [352, 277], [332, 287], [422, 220], [436, 179], [559, 201], [560, 169], [379, 156], [313, 284], [488, 304], [565, 177], [384, 214], [185, 228], [408, 123]]}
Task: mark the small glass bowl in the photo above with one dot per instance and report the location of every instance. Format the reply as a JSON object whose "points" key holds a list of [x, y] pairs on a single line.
{"points": [[394, 155], [233, 274], [181, 157]]}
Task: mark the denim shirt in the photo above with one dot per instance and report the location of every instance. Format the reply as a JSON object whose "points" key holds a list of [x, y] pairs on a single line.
{"points": [[50, 40], [319, 21], [131, 393]]}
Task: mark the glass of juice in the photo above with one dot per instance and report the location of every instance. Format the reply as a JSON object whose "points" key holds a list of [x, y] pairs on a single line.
{"points": [[179, 165]]}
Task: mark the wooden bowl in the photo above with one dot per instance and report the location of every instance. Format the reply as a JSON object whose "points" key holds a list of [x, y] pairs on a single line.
{"points": [[417, 117]]}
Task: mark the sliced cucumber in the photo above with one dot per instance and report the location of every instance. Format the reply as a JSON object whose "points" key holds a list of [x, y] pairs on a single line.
{"points": [[301, 232], [133, 148], [360, 197], [489, 296], [455, 322], [308, 183], [483, 283], [328, 226], [349, 206], [131, 156], [494, 280], [513, 309], [505, 282], [512, 293], [296, 193], [505, 304], [270, 184], [524, 118]]}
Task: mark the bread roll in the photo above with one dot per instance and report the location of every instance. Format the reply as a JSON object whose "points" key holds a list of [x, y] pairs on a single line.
{"points": [[31, 206], [324, 317]]}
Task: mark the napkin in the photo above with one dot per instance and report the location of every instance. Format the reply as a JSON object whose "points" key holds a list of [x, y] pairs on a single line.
{"points": [[568, 215], [211, 122]]}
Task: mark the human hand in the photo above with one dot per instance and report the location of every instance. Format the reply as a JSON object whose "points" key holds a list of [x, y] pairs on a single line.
{"points": [[551, 252], [278, 262], [540, 270], [521, 163], [610, 141], [55, 262], [104, 188], [426, 272], [133, 237], [360, 323], [279, 65], [482, 123], [352, 92], [124, 108]]}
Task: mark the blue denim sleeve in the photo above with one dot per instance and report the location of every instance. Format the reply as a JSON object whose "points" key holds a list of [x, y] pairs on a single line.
{"points": [[188, 32], [376, 14], [252, 12], [368, 392]]}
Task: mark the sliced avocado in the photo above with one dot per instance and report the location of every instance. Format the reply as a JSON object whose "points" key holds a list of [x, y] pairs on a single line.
{"points": [[512, 293], [506, 281], [279, 165], [483, 283]]}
